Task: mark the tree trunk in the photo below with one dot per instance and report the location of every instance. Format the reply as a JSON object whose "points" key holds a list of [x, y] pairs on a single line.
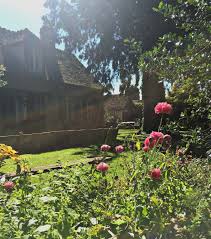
{"points": [[152, 93]]}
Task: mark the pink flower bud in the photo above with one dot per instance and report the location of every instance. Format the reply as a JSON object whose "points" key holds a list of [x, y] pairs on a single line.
{"points": [[9, 186], [105, 147], [155, 173], [102, 167], [119, 149]]}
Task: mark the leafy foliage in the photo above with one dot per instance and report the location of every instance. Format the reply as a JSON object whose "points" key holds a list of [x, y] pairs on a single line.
{"points": [[129, 90], [108, 35], [184, 60]]}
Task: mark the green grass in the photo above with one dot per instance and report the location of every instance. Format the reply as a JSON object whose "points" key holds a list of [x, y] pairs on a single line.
{"points": [[65, 157], [127, 134], [124, 133]]}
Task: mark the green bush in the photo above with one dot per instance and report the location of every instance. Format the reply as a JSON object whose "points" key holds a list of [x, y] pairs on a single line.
{"points": [[183, 60]]}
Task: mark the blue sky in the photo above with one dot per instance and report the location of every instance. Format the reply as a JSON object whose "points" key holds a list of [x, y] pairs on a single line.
{"points": [[20, 14]]}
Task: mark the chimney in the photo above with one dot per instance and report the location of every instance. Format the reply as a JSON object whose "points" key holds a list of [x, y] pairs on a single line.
{"points": [[48, 41]]}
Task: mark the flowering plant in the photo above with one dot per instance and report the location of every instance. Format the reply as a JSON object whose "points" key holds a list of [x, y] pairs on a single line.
{"points": [[7, 152], [163, 108]]}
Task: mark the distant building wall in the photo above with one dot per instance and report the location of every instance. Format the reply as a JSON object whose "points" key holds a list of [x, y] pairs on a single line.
{"points": [[27, 112], [47, 141], [120, 107]]}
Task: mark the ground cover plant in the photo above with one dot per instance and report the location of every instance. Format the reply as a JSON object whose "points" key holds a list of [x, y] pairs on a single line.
{"points": [[149, 192]]}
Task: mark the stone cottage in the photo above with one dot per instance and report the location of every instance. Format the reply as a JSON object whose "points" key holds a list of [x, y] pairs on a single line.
{"points": [[119, 108], [47, 89]]}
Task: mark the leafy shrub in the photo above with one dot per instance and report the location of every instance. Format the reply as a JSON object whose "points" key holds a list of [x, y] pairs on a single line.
{"points": [[183, 59], [196, 141]]}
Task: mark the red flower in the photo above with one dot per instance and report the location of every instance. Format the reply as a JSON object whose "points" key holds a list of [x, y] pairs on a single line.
{"points": [[119, 149], [146, 149], [9, 186], [155, 174], [102, 167], [158, 136], [105, 147], [149, 142], [153, 139], [163, 108]]}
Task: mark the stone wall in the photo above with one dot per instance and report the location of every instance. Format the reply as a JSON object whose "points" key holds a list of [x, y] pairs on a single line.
{"points": [[55, 140]]}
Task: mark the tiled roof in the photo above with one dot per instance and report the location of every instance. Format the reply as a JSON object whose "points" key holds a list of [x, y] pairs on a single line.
{"points": [[8, 37], [117, 102], [73, 71]]}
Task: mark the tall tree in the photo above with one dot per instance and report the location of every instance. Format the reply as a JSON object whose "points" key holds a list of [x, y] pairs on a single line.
{"points": [[184, 59], [129, 90], [109, 35]]}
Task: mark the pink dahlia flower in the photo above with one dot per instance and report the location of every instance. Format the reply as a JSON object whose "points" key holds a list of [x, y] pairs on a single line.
{"points": [[102, 167], [158, 136], [119, 149], [105, 147], [163, 108]]}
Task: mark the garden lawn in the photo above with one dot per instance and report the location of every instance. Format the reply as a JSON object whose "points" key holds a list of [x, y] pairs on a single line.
{"points": [[63, 157], [116, 166], [68, 156], [129, 134], [124, 133]]}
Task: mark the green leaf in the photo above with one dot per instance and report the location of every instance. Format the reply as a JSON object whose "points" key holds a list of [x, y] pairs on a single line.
{"points": [[44, 228], [144, 212], [119, 222], [93, 221], [32, 222], [138, 145], [48, 199], [160, 6], [154, 200]]}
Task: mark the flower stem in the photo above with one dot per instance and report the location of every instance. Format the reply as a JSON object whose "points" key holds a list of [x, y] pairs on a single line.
{"points": [[161, 121]]}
